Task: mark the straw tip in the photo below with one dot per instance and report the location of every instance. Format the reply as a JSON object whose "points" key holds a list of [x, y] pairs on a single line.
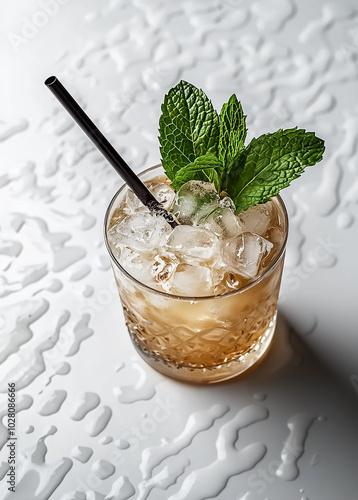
{"points": [[50, 81]]}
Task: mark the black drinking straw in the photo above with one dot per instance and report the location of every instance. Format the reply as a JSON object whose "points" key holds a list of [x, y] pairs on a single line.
{"points": [[108, 151]]}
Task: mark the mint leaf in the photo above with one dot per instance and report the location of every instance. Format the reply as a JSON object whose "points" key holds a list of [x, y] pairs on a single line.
{"points": [[188, 127], [270, 163], [196, 145], [232, 131], [206, 168]]}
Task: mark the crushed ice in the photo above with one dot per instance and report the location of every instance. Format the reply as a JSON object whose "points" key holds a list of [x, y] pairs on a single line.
{"points": [[211, 251]]}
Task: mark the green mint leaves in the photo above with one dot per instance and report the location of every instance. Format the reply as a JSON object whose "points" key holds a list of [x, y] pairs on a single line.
{"points": [[188, 127], [270, 163], [232, 131], [206, 168], [196, 144]]}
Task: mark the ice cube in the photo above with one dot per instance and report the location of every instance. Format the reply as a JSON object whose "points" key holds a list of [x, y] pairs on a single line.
{"points": [[142, 232], [258, 218], [245, 253], [163, 268], [136, 264], [132, 204], [193, 243], [192, 281], [194, 200], [154, 272], [162, 192], [223, 222], [275, 235], [232, 281]]}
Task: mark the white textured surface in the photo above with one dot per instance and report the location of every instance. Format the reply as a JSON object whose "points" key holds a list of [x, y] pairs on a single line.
{"points": [[81, 388]]}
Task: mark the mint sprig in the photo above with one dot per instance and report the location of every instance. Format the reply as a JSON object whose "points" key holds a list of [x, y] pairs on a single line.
{"points": [[232, 131], [197, 145], [206, 168], [270, 163], [188, 127]]}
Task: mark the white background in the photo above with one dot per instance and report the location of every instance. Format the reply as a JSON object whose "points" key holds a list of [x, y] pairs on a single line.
{"points": [[290, 63]]}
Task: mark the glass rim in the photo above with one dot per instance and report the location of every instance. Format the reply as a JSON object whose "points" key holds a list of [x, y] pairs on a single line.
{"points": [[241, 289]]}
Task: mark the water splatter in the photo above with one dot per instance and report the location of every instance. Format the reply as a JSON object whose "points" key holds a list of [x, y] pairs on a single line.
{"points": [[38, 479], [82, 453], [122, 444], [23, 314], [54, 286], [88, 291], [61, 369], [210, 481], [120, 366], [62, 255], [259, 396], [140, 391], [344, 220], [315, 459], [163, 479], [81, 273], [103, 263], [122, 489], [106, 440], [58, 123], [8, 130], [39, 455], [271, 16], [103, 469], [197, 422], [293, 448], [30, 363], [52, 403], [100, 421], [81, 332], [77, 495], [84, 403], [81, 219]]}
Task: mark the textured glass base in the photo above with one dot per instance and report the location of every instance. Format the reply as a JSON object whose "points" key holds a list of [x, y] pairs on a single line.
{"points": [[212, 374]]}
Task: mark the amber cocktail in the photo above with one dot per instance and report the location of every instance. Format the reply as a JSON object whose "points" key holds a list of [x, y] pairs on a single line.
{"points": [[199, 301]]}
